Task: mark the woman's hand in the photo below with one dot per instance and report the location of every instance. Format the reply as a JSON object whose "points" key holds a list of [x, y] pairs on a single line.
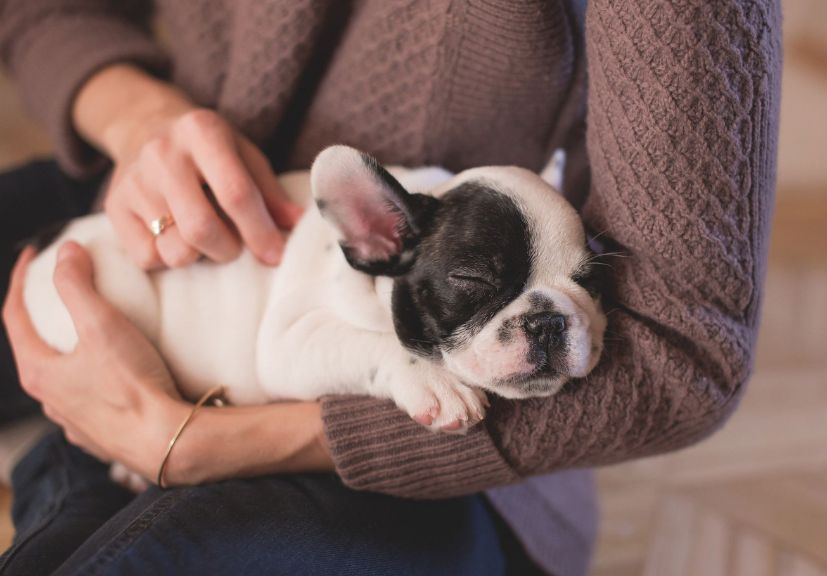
{"points": [[115, 398], [175, 159], [113, 395]]}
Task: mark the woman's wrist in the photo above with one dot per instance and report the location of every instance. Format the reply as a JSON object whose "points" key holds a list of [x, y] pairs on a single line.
{"points": [[158, 418], [120, 107], [243, 441]]}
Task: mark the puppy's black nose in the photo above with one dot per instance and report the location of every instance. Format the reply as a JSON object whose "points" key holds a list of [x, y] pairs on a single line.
{"points": [[546, 327]]}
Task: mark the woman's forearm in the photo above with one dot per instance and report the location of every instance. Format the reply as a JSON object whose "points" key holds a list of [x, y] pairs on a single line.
{"points": [[121, 104], [686, 198], [240, 441]]}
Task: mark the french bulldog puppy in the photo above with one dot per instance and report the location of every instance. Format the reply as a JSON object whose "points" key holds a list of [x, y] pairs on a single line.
{"points": [[424, 287]]}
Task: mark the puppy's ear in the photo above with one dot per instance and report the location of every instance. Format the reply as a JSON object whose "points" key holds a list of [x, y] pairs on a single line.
{"points": [[379, 222]]}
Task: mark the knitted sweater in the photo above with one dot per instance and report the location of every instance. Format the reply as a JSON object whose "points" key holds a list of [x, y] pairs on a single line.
{"points": [[675, 170]]}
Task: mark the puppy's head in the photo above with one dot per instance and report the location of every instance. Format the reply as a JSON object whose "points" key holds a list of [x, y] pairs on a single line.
{"points": [[492, 274]]}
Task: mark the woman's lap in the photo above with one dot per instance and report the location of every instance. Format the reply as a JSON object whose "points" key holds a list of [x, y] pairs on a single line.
{"points": [[61, 497], [306, 524]]}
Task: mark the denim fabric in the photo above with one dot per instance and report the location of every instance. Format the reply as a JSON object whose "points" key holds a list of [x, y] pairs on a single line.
{"points": [[299, 524], [61, 496]]}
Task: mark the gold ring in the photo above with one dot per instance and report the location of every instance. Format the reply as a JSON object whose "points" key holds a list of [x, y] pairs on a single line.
{"points": [[158, 225]]}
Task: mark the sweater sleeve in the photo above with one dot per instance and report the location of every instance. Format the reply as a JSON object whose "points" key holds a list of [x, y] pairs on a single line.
{"points": [[682, 133], [51, 47]]}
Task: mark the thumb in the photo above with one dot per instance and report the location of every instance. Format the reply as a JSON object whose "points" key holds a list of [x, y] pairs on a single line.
{"points": [[74, 280]]}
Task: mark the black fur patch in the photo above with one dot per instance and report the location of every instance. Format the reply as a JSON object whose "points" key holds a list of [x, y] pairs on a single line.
{"points": [[473, 260], [505, 333], [539, 302]]}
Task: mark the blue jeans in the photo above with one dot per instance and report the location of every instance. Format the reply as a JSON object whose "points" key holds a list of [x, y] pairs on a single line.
{"points": [[71, 520]]}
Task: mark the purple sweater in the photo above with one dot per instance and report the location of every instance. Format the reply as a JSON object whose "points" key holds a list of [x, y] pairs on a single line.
{"points": [[675, 168]]}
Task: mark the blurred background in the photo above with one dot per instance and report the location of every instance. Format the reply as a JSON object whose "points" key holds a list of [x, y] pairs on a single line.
{"points": [[752, 500]]}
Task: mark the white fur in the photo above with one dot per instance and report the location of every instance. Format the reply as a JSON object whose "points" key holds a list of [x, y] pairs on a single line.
{"points": [[314, 326], [311, 326]]}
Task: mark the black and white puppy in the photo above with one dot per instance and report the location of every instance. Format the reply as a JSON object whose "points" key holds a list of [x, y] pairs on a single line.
{"points": [[474, 284]]}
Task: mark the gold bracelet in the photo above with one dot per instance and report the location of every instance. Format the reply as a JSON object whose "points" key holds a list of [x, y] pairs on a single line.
{"points": [[214, 392]]}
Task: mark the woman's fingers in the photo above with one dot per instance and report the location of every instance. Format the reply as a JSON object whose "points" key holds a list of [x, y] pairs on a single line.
{"points": [[149, 202], [165, 175], [285, 213], [135, 237], [174, 250], [133, 233], [74, 280], [23, 337], [217, 156], [198, 227], [30, 352]]}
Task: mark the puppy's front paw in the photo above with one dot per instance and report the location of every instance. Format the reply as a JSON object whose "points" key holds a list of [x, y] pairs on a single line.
{"points": [[436, 398]]}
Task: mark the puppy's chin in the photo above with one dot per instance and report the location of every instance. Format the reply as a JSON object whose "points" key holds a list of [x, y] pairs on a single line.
{"points": [[512, 368], [532, 387]]}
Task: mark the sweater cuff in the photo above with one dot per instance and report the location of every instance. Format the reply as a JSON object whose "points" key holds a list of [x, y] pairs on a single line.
{"points": [[377, 447], [57, 55]]}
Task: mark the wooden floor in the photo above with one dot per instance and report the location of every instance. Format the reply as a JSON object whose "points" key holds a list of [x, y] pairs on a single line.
{"points": [[752, 500], [6, 531]]}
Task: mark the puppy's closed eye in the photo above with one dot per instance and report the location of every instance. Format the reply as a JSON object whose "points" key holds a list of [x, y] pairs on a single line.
{"points": [[469, 280]]}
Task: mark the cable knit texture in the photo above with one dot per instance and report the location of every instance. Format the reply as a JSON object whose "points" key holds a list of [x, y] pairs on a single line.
{"points": [[682, 101]]}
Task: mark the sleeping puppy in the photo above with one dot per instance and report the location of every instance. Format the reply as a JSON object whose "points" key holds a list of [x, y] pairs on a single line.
{"points": [[477, 283]]}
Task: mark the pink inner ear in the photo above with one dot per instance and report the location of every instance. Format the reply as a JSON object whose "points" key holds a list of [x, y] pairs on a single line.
{"points": [[372, 230]]}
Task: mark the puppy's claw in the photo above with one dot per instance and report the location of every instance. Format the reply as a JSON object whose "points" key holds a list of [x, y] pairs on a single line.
{"points": [[453, 426], [424, 419]]}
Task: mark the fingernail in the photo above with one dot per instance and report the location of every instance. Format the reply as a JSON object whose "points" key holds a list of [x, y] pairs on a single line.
{"points": [[273, 256], [64, 253], [424, 419]]}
